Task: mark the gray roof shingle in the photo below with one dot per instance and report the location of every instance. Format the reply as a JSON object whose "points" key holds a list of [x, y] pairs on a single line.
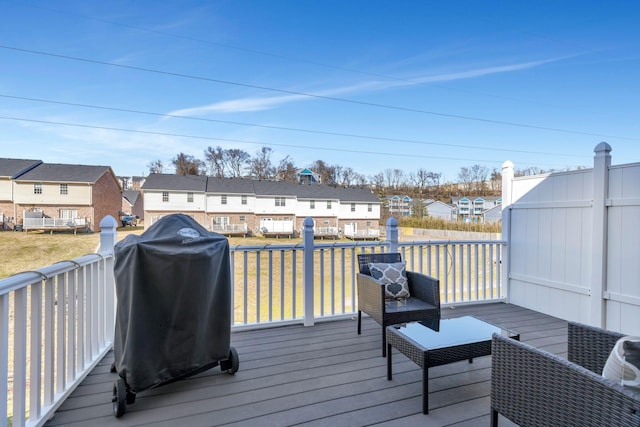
{"points": [[230, 186], [131, 196], [54, 172], [13, 168], [160, 181], [257, 187]]}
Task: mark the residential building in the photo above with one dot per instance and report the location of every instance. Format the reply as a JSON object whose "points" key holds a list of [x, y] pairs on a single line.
{"points": [[67, 192], [400, 205], [132, 203], [131, 182], [307, 176], [242, 206], [472, 208], [9, 170], [493, 214], [438, 209], [166, 194], [231, 203]]}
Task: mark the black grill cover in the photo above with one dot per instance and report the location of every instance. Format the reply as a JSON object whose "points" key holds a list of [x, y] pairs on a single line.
{"points": [[173, 318]]}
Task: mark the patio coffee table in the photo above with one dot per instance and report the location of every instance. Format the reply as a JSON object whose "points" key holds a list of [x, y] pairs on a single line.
{"points": [[435, 343]]}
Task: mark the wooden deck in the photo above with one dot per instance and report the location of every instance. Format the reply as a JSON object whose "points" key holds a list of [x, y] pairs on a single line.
{"points": [[325, 375]]}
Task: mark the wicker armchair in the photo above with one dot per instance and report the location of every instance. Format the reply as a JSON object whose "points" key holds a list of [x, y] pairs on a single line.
{"points": [[532, 387], [423, 304]]}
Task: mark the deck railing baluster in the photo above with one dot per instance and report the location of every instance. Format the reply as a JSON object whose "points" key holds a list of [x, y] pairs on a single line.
{"points": [[52, 354]]}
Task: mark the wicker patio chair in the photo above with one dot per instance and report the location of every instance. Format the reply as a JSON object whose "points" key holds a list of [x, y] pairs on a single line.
{"points": [[423, 303], [532, 387]]}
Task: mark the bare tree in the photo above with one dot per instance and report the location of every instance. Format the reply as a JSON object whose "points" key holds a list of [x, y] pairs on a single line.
{"points": [[260, 166], [474, 179], [465, 179], [434, 179], [496, 181], [359, 180], [419, 179], [186, 164], [531, 170], [479, 176], [287, 171], [325, 172], [236, 161], [348, 176], [155, 166], [377, 181], [393, 178], [216, 159]]}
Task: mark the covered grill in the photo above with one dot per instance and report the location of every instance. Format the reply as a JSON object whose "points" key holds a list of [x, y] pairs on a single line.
{"points": [[173, 284]]}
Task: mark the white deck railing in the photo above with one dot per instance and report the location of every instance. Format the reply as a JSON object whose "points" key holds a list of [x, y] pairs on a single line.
{"points": [[276, 283], [73, 303], [326, 231], [229, 228], [370, 233], [56, 324], [41, 223]]}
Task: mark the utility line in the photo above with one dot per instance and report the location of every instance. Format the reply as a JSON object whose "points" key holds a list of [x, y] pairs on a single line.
{"points": [[298, 59], [317, 96], [225, 45], [349, 135], [210, 138]]}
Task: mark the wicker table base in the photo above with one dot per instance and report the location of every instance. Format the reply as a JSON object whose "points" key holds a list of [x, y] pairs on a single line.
{"points": [[447, 341]]}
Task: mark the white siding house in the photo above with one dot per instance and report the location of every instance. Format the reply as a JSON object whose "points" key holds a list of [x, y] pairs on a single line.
{"points": [[244, 206], [166, 194]]}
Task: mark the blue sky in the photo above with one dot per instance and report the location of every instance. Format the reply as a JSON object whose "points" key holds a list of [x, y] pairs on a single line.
{"points": [[370, 85]]}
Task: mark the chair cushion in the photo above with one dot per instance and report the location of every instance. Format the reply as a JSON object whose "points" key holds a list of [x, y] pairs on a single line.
{"points": [[623, 364], [393, 276], [407, 305]]}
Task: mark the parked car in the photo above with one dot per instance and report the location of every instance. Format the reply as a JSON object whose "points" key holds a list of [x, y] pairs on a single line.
{"points": [[128, 220]]}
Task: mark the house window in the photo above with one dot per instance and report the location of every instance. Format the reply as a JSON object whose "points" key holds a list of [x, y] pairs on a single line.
{"points": [[353, 207], [190, 197], [368, 224], [243, 218], [223, 199], [328, 204], [243, 200], [326, 222], [64, 189], [68, 213], [312, 204], [222, 220], [37, 188], [165, 196], [369, 207], [280, 201]]}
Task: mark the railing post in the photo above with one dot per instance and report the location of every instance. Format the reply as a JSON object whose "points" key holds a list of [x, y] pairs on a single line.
{"points": [[507, 201], [308, 270], [601, 164], [108, 239], [392, 234]]}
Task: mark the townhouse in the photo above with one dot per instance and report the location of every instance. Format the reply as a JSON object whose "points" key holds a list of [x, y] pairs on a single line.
{"points": [[243, 206], [10, 169], [68, 192], [474, 208]]}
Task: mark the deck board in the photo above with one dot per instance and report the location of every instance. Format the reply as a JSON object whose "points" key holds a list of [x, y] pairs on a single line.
{"points": [[325, 375]]}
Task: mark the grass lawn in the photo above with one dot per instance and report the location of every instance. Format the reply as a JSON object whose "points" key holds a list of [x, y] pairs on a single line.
{"points": [[22, 251]]}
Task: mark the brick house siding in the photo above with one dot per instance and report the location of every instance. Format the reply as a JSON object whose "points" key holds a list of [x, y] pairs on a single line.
{"points": [[153, 216], [234, 218], [107, 199]]}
